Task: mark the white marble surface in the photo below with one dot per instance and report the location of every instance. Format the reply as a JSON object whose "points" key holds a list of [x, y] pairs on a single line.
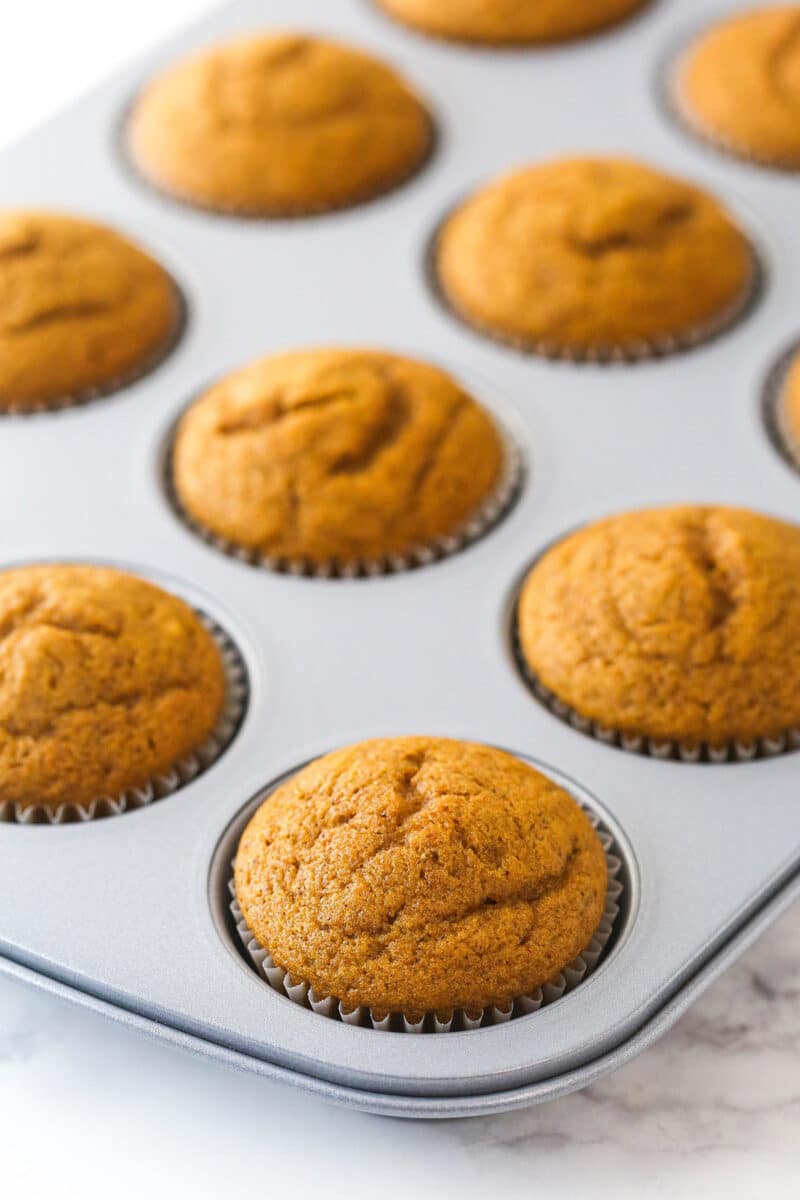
{"points": [[89, 1109], [713, 1110]]}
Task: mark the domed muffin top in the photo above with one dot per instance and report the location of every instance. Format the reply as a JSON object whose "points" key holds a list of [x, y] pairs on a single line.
{"points": [[82, 310], [739, 84], [678, 623], [335, 456], [106, 682], [510, 21], [278, 124], [594, 256]]}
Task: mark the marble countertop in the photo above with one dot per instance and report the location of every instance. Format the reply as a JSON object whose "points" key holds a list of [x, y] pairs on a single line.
{"points": [[712, 1110]]}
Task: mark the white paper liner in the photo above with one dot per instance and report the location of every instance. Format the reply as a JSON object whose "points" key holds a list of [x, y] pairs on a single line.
{"points": [[183, 772], [480, 523], [457, 1020], [635, 351], [88, 395], [660, 748]]}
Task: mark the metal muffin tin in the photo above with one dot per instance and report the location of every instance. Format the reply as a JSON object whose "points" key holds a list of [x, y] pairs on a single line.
{"points": [[127, 915]]}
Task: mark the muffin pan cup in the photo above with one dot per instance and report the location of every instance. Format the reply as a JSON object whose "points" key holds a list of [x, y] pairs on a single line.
{"points": [[452, 1020], [732, 751], [131, 917], [682, 112], [180, 773], [120, 382], [638, 351], [774, 399], [492, 510]]}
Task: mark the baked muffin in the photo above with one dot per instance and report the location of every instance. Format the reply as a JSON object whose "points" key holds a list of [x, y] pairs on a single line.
{"points": [[594, 258], [680, 624], [278, 124], [789, 409], [510, 22], [335, 456], [420, 874], [82, 310], [106, 682], [739, 85]]}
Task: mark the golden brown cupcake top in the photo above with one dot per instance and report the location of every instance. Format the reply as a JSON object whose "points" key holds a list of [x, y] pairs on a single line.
{"points": [[82, 310], [680, 624], [592, 256], [739, 84], [105, 682], [278, 124], [510, 22], [414, 874], [335, 456]]}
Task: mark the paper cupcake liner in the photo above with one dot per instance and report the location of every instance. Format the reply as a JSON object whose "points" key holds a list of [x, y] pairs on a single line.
{"points": [[455, 1020], [480, 523], [679, 108], [182, 772], [142, 369], [274, 212], [733, 751], [774, 407], [635, 351]]}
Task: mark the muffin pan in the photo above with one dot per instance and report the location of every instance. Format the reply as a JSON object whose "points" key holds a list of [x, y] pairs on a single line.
{"points": [[129, 915]]}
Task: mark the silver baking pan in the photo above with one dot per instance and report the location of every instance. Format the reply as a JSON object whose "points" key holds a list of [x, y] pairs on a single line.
{"points": [[128, 915]]}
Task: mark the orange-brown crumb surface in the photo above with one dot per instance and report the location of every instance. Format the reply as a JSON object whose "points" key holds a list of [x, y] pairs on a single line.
{"points": [[335, 456], [498, 22], [679, 623], [278, 124], [81, 309], [739, 84], [590, 256], [106, 681], [417, 873]]}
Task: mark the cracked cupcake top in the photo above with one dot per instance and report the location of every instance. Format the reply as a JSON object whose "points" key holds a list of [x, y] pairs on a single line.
{"points": [[416, 873], [680, 624], [510, 21], [105, 682], [594, 256], [278, 124], [335, 456], [739, 84], [81, 310]]}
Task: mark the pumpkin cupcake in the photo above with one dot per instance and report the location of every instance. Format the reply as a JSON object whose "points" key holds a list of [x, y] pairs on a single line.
{"points": [[784, 402], [738, 85], [510, 22], [279, 124], [594, 258], [107, 684], [416, 875], [680, 625], [82, 311], [339, 460]]}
